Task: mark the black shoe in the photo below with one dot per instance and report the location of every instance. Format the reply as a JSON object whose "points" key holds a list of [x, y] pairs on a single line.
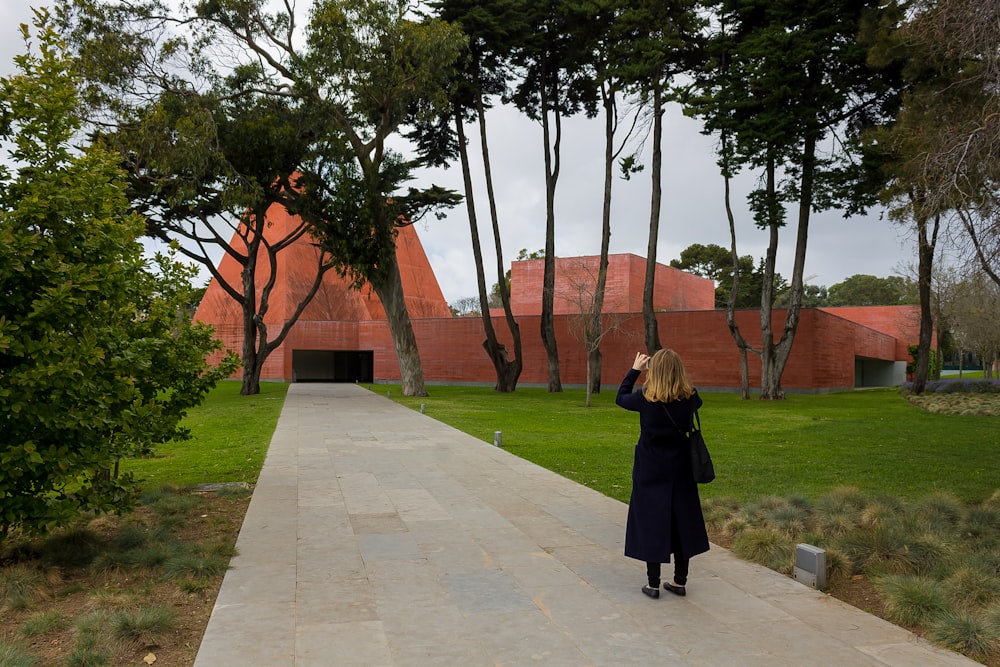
{"points": [[676, 590], [651, 592]]}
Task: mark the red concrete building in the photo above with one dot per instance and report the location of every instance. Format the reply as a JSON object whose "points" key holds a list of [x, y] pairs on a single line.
{"points": [[343, 336]]}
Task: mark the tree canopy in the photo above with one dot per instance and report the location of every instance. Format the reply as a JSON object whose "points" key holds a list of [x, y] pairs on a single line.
{"points": [[98, 360]]}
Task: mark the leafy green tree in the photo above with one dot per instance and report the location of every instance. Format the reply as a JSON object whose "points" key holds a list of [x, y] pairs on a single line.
{"points": [[789, 87], [941, 150], [557, 82], [207, 153], [865, 290], [369, 68], [714, 262], [658, 40], [972, 311], [365, 68], [98, 360], [491, 29], [210, 185]]}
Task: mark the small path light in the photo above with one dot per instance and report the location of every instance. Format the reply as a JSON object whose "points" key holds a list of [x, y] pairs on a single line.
{"points": [[810, 565], [423, 407], [498, 438]]}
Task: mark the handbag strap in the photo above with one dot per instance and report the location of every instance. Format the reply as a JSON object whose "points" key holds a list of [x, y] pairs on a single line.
{"points": [[695, 420]]}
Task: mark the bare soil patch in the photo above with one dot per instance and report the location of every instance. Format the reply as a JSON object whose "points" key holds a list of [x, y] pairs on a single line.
{"points": [[74, 592]]}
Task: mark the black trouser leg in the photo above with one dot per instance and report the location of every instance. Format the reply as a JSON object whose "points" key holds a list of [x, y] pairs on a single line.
{"points": [[681, 570], [653, 574], [680, 563]]}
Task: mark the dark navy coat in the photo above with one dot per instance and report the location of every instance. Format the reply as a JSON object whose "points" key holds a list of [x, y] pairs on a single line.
{"points": [[664, 512]]}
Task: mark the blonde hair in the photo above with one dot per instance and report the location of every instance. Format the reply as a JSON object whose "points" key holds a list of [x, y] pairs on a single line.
{"points": [[666, 380]]}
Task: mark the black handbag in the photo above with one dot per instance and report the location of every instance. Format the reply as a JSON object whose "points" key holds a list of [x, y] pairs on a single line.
{"points": [[701, 461], [702, 468]]}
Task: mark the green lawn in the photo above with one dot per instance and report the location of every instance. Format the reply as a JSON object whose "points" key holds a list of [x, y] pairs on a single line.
{"points": [[873, 440], [229, 438]]}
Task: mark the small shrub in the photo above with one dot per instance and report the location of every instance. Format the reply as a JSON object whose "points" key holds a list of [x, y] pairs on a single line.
{"points": [[717, 511], [840, 507], [94, 643], [192, 565], [92, 624], [833, 525], [72, 548], [991, 618], [881, 511], [940, 511], [172, 504], [838, 564], [965, 633], [735, 525], [91, 656], [789, 518], [15, 656], [767, 547], [20, 585], [43, 623], [219, 548], [130, 538], [878, 550], [972, 588], [960, 386], [930, 554], [982, 524], [151, 497], [911, 600], [193, 585], [759, 512], [145, 626]]}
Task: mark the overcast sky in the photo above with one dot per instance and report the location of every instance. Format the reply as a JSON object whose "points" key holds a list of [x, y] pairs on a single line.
{"points": [[693, 208]]}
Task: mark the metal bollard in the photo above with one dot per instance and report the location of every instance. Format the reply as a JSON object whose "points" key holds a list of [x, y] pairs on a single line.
{"points": [[422, 407], [498, 438], [388, 394]]}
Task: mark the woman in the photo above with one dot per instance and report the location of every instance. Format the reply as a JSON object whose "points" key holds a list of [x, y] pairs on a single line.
{"points": [[664, 512]]}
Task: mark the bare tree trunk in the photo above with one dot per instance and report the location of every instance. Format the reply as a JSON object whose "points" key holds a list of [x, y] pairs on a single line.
{"points": [[510, 370], [390, 293], [506, 374], [594, 359], [783, 348], [925, 267], [252, 320], [650, 326], [734, 329], [770, 377], [547, 325], [251, 365]]}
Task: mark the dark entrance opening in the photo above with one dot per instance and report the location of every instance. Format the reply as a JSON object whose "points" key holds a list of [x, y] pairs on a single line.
{"points": [[333, 365]]}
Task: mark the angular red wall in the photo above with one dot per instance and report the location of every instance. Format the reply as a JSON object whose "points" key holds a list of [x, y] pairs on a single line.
{"points": [[823, 357], [673, 289]]}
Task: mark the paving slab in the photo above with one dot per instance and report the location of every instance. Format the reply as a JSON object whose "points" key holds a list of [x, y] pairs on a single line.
{"points": [[377, 536]]}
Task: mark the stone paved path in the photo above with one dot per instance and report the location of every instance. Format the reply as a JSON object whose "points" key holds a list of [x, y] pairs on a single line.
{"points": [[378, 536]]}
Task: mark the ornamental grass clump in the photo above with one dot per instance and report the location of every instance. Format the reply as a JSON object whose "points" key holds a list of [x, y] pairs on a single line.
{"points": [[878, 550], [911, 600], [43, 623], [941, 512], [766, 546], [12, 655], [145, 626], [965, 632], [972, 587], [21, 586]]}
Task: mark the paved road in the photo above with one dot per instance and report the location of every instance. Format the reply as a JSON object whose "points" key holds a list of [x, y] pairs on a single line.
{"points": [[379, 536]]}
